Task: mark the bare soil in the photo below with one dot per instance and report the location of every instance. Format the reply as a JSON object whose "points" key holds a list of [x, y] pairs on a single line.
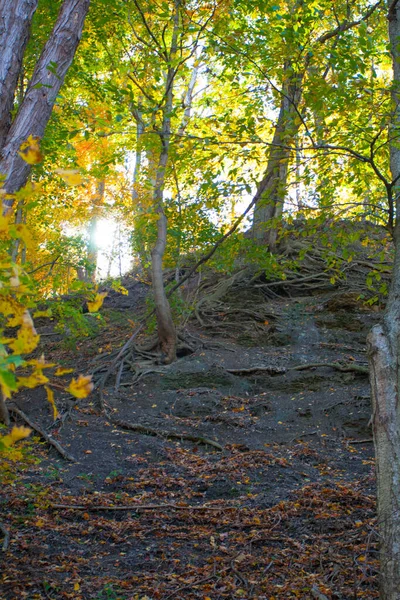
{"points": [[285, 509]]}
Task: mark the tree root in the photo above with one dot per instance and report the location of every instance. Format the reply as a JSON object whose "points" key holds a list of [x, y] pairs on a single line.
{"points": [[48, 438], [166, 434], [6, 541], [271, 370], [343, 367]]}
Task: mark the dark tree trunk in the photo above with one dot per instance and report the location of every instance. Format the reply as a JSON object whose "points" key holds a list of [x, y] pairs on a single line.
{"points": [[274, 181], [15, 22], [40, 97]]}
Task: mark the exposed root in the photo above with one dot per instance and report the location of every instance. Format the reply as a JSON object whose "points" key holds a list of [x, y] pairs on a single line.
{"points": [[48, 438], [271, 370], [167, 434], [343, 367]]}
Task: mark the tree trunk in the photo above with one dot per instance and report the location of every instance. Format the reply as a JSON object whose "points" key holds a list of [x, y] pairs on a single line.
{"points": [[42, 91], [274, 181], [165, 325], [384, 359], [38, 102], [15, 22]]}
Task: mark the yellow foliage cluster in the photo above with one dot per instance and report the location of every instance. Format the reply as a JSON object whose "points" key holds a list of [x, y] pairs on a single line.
{"points": [[15, 317]]}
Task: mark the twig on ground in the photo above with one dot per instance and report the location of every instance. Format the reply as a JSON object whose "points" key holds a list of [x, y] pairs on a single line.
{"points": [[138, 507], [6, 540], [298, 437], [167, 434], [190, 585], [368, 441], [43, 434]]}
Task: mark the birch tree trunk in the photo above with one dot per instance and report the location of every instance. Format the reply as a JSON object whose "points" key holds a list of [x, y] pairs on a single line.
{"points": [[384, 359], [47, 79]]}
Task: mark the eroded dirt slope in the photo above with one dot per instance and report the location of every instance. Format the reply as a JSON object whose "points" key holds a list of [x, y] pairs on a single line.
{"points": [[272, 497]]}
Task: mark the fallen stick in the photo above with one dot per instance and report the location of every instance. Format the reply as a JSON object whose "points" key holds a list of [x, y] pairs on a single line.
{"points": [[191, 585], [6, 540], [167, 434], [43, 434], [138, 507]]}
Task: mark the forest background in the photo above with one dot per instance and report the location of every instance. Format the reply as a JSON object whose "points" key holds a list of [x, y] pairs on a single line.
{"points": [[181, 131]]}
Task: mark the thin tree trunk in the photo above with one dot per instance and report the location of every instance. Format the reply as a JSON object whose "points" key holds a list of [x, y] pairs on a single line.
{"points": [[42, 91], [384, 358], [15, 22], [165, 325]]}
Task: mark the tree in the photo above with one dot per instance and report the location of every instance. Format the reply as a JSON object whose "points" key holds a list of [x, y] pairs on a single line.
{"points": [[384, 356], [48, 76], [288, 55], [39, 99]]}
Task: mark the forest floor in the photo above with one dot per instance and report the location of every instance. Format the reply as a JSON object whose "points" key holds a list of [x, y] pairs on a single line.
{"points": [[272, 498]]}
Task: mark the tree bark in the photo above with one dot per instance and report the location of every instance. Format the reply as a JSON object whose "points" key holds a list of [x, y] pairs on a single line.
{"points": [[42, 91], [15, 22], [384, 359], [274, 181]]}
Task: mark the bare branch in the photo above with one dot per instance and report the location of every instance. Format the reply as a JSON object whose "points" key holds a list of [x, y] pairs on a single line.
{"points": [[346, 25]]}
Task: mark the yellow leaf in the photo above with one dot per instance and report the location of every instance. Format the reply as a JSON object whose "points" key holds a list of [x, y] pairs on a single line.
{"points": [[30, 151], [17, 433], [77, 587], [27, 339], [40, 363], [70, 176], [81, 387], [50, 398], [34, 380], [97, 302], [60, 371]]}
